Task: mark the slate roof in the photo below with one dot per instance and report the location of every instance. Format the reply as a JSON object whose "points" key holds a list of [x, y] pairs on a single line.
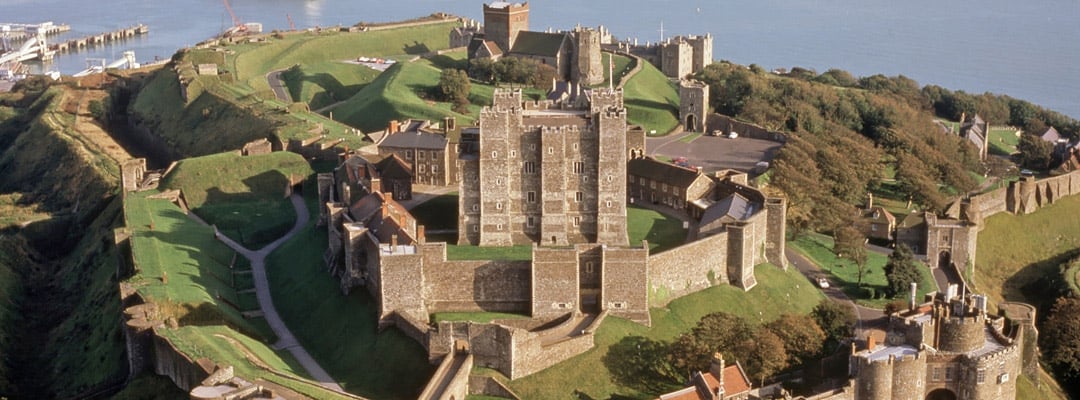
{"points": [[660, 171], [1051, 135], [730, 209], [393, 167], [539, 43], [882, 214], [913, 220], [415, 140]]}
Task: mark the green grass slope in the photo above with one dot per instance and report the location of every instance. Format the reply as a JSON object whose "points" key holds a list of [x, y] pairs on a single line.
{"points": [[778, 292], [340, 331], [1017, 251], [320, 84], [59, 303], [244, 196], [651, 100], [254, 60]]}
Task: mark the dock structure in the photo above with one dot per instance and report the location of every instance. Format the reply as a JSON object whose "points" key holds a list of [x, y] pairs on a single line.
{"points": [[99, 39]]}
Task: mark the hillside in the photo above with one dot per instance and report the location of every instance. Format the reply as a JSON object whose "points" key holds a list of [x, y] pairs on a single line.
{"points": [[56, 264], [245, 197], [651, 100]]}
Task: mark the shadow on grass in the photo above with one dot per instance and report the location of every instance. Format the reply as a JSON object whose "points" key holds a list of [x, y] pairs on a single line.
{"points": [[442, 61], [1040, 283], [416, 48], [640, 363]]}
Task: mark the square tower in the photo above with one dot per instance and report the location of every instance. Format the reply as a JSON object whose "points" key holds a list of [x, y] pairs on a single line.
{"points": [[547, 173], [676, 58], [587, 68], [693, 104], [503, 21]]}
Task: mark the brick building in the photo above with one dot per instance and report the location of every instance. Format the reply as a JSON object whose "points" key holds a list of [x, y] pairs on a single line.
{"points": [[428, 149], [551, 173], [720, 382], [659, 182]]}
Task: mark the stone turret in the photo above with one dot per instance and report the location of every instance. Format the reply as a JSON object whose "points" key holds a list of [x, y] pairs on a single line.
{"points": [[693, 104]]}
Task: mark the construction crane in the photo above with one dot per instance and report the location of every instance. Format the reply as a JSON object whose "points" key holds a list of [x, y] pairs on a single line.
{"points": [[238, 27], [292, 26]]}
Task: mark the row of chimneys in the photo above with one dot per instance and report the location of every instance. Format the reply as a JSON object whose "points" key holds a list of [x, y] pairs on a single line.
{"points": [[449, 124]]}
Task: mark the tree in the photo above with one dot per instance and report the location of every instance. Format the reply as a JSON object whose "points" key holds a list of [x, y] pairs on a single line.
{"points": [[1035, 153], [851, 243], [836, 319], [801, 335], [719, 331], [454, 85], [1060, 338], [901, 270], [763, 355]]}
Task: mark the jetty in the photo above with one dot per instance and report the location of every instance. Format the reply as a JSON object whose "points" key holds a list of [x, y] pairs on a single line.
{"points": [[99, 39]]}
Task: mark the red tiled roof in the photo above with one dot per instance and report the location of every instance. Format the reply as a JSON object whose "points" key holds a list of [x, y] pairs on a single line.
{"points": [[735, 382]]}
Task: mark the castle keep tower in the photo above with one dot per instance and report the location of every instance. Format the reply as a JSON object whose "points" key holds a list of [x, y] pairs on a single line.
{"points": [[693, 104], [503, 21], [587, 68], [547, 173]]}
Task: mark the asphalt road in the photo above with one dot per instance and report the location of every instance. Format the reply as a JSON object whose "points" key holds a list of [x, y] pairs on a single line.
{"points": [[278, 86], [286, 340], [869, 318]]}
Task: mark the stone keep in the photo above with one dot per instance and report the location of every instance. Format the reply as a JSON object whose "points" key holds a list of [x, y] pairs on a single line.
{"points": [[503, 21], [693, 104], [546, 173]]}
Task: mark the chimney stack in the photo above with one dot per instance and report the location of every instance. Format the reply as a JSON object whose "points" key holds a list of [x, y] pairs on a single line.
{"points": [[393, 242], [420, 233], [869, 201], [716, 367], [911, 298]]}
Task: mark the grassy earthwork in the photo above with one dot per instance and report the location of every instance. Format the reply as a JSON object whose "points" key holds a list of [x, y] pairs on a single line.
{"points": [[778, 292], [844, 273], [320, 84], [245, 197], [1016, 252], [621, 67], [651, 100]]}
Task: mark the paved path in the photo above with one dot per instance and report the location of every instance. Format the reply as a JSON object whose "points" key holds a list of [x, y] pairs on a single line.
{"points": [[714, 152], [868, 318], [286, 340], [278, 86]]}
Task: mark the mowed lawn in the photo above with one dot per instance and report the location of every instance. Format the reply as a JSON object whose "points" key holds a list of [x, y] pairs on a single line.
{"points": [[662, 232], [320, 84], [845, 274], [586, 375], [1015, 252], [184, 269], [244, 196]]}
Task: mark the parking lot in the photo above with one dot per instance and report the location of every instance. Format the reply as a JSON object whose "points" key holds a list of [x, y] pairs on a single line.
{"points": [[713, 153]]}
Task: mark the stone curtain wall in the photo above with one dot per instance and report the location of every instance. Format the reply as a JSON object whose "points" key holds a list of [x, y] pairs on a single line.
{"points": [[727, 124], [687, 269], [531, 356], [625, 288], [474, 285], [172, 363], [1031, 194], [555, 289]]}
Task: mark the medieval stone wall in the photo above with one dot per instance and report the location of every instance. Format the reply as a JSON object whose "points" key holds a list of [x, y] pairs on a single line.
{"points": [[531, 355], [892, 378], [625, 291], [481, 285], [555, 289], [488, 386], [169, 361], [402, 280], [962, 334], [687, 269], [727, 124]]}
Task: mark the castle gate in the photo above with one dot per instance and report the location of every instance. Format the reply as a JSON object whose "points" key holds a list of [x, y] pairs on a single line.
{"points": [[690, 123], [941, 394], [944, 260]]}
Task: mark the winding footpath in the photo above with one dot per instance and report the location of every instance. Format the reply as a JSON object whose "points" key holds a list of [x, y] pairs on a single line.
{"points": [[868, 318], [286, 340]]}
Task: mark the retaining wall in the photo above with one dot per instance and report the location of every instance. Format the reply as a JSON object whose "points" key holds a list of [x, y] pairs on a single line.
{"points": [[727, 124]]}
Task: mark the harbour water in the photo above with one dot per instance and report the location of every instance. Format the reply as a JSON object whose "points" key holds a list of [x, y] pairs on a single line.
{"points": [[1028, 50]]}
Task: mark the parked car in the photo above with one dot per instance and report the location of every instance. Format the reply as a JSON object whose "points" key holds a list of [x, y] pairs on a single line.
{"points": [[823, 283]]}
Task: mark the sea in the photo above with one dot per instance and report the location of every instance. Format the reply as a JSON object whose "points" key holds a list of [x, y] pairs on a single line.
{"points": [[1026, 49]]}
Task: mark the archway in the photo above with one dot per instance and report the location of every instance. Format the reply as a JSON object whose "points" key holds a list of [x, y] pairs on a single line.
{"points": [[691, 123], [944, 260], [941, 394]]}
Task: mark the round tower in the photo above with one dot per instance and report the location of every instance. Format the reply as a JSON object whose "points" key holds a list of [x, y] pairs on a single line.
{"points": [[693, 104]]}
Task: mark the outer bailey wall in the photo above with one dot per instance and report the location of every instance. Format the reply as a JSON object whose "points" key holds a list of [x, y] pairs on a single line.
{"points": [[171, 362], [687, 269], [626, 283]]}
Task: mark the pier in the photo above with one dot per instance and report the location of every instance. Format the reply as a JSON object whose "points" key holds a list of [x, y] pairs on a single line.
{"points": [[99, 39]]}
